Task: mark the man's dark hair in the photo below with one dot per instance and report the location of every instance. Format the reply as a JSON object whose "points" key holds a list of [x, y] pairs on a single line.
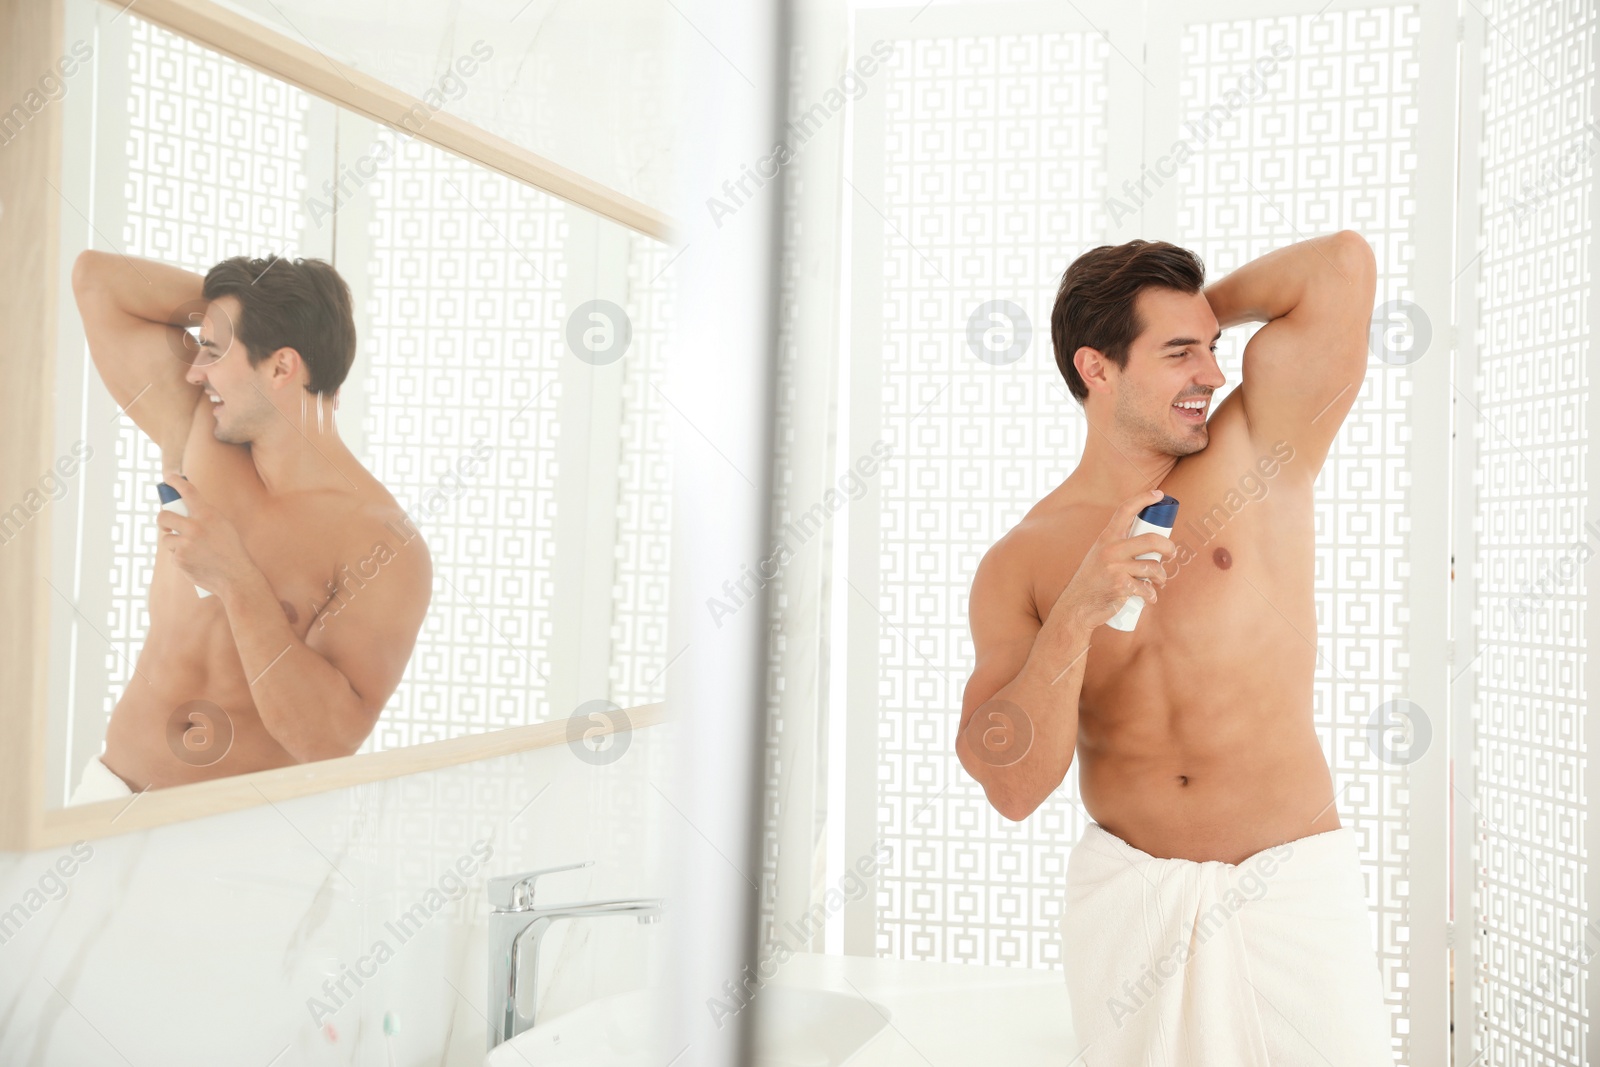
{"points": [[1095, 304], [301, 304]]}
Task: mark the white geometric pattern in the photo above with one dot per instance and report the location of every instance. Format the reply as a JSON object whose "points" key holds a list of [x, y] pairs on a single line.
{"points": [[466, 303], [993, 168], [1534, 936], [640, 655]]}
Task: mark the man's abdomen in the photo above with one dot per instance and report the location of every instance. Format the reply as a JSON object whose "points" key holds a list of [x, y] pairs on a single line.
{"points": [[186, 714], [1266, 784]]}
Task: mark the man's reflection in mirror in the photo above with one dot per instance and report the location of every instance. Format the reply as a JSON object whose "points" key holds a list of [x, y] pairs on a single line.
{"points": [[289, 586]]}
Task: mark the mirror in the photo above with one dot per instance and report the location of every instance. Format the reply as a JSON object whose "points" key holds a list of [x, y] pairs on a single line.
{"points": [[431, 498]]}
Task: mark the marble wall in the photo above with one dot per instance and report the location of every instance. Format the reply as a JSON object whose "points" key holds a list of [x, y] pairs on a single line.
{"points": [[226, 940]]}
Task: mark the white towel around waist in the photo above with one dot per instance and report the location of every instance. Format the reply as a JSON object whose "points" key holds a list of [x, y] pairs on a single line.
{"points": [[97, 782], [1267, 963]]}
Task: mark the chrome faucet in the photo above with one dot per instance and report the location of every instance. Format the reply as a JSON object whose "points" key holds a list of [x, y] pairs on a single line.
{"points": [[516, 929]]}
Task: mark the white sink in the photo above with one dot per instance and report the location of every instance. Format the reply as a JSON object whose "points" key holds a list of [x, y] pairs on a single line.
{"points": [[797, 1027], [801, 1027], [616, 1031]]}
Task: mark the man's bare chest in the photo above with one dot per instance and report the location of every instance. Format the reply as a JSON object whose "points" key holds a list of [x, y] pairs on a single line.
{"points": [[1241, 581], [301, 567], [301, 555]]}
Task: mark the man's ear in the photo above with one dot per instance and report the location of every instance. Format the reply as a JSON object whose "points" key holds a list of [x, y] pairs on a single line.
{"points": [[1091, 366], [286, 362]]}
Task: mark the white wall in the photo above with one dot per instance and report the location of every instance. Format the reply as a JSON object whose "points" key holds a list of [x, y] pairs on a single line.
{"points": [[202, 942], [585, 85]]}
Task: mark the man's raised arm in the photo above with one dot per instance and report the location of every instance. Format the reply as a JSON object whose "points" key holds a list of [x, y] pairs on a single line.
{"points": [[134, 315], [1304, 368]]}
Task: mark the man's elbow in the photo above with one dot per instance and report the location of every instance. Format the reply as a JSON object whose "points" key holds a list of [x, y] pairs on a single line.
{"points": [[342, 734], [85, 271], [357, 727], [1004, 797], [317, 749], [1355, 253], [1011, 806]]}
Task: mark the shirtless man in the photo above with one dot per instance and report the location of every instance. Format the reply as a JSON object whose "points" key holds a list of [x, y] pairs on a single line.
{"points": [[320, 580], [1194, 730]]}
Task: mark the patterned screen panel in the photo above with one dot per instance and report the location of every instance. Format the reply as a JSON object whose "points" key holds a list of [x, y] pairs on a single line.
{"points": [[213, 170], [640, 655], [1323, 143], [993, 167], [465, 279], [995, 175], [1534, 939]]}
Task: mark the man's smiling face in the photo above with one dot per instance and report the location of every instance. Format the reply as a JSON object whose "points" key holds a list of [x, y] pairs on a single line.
{"points": [[1172, 366], [236, 390]]}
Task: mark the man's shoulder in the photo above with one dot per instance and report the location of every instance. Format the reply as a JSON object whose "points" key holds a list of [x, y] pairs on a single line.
{"points": [[375, 517], [1015, 561], [376, 535], [1061, 514]]}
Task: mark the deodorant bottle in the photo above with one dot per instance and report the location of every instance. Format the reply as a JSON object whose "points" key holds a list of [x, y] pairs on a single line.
{"points": [[1158, 518], [171, 501]]}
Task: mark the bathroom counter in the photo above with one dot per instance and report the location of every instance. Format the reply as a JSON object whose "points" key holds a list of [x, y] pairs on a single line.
{"points": [[948, 1014]]}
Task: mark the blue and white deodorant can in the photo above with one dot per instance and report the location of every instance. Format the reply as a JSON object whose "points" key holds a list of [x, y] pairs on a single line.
{"points": [[1159, 518], [171, 501]]}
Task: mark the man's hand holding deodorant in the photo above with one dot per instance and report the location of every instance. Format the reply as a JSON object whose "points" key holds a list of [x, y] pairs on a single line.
{"points": [[203, 543], [1158, 518], [1124, 568]]}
